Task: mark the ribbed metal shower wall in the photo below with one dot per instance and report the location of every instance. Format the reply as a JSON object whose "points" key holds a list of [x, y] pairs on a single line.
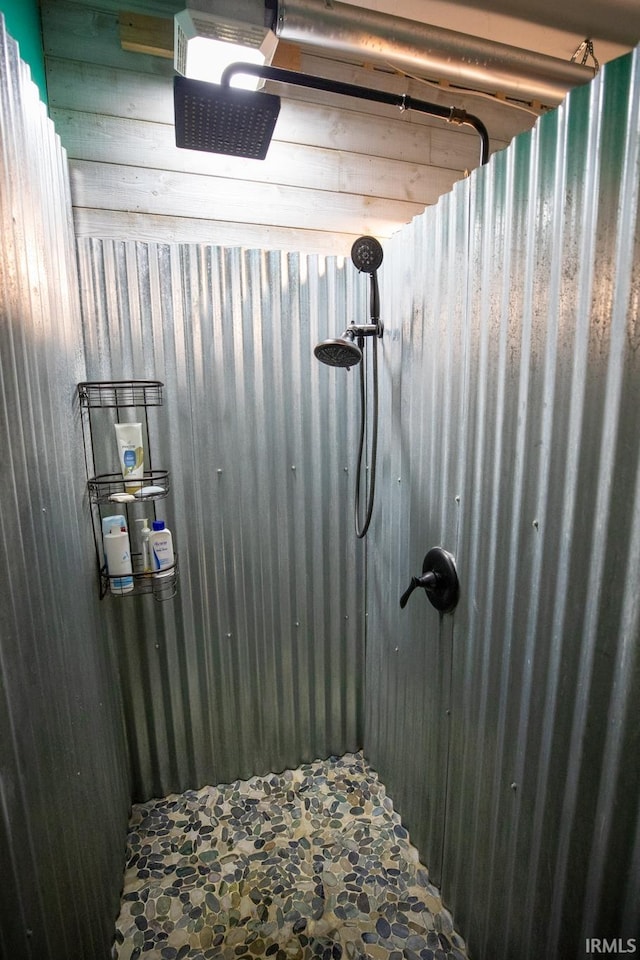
{"points": [[257, 664], [64, 793], [508, 732]]}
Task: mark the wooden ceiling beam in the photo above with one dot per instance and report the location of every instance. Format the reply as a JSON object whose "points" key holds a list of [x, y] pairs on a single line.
{"points": [[143, 34], [154, 35]]}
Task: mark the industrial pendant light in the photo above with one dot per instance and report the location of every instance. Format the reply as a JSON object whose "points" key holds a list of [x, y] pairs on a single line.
{"points": [[208, 36]]}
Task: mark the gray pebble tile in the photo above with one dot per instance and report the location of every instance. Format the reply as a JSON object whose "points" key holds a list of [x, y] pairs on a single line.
{"points": [[313, 862]]}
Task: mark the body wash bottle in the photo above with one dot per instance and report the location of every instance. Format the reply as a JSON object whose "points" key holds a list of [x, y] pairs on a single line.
{"points": [[161, 549]]}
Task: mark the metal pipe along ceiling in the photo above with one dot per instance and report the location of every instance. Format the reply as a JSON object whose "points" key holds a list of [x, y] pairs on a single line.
{"points": [[419, 48]]}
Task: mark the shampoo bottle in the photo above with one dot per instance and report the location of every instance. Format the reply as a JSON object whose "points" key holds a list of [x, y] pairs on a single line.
{"points": [[117, 551], [161, 549], [146, 552]]}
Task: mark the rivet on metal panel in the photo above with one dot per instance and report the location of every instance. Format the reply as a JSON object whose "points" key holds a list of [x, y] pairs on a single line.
{"points": [[514, 786], [535, 524]]}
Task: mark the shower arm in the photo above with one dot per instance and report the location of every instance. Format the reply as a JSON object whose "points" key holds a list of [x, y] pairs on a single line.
{"points": [[405, 102]]}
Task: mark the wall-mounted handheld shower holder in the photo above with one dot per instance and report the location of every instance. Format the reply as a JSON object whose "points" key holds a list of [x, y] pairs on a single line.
{"points": [[348, 351], [367, 255], [439, 579], [362, 330]]}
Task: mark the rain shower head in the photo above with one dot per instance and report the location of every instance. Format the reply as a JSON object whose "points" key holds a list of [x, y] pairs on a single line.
{"points": [[219, 119], [342, 352], [366, 254]]}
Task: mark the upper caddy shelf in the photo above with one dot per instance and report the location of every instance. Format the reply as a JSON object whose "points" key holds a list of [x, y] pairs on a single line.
{"points": [[121, 393]]}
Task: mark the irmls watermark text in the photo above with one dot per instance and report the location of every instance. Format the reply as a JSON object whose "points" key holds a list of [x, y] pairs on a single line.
{"points": [[617, 946]]}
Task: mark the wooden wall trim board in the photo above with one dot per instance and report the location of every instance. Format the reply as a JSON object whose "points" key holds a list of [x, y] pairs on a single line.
{"points": [[336, 168], [141, 33]]}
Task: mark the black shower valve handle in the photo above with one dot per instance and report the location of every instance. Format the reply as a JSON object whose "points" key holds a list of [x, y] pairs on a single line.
{"points": [[439, 579], [427, 580]]}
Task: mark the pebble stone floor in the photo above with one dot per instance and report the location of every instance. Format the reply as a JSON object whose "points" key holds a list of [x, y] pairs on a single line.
{"points": [[312, 862]]}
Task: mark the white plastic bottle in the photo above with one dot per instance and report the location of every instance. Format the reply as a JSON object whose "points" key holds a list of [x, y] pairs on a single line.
{"points": [[146, 552], [161, 549], [117, 551], [118, 520]]}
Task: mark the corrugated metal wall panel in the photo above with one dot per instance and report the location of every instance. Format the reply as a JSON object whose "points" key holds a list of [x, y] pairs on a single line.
{"points": [[258, 662], [63, 765], [521, 417], [408, 670]]}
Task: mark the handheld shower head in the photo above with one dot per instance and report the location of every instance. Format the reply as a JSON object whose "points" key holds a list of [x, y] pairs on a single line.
{"points": [[348, 350], [342, 352], [366, 254]]}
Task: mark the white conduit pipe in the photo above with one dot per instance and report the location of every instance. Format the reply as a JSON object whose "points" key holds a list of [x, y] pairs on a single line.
{"points": [[432, 52]]}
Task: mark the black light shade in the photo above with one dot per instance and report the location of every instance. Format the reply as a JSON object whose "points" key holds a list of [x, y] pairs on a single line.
{"points": [[220, 119]]}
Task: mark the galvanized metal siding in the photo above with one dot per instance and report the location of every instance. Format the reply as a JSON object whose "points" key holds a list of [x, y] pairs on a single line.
{"points": [[258, 662], [508, 732], [64, 795], [409, 651]]}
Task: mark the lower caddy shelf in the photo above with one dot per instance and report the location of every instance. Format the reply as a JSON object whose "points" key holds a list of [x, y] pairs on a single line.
{"points": [[163, 586]]}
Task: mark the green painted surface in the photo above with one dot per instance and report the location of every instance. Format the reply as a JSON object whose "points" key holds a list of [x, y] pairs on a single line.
{"points": [[22, 19]]}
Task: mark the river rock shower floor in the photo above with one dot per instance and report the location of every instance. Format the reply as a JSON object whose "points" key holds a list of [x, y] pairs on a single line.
{"points": [[312, 862]]}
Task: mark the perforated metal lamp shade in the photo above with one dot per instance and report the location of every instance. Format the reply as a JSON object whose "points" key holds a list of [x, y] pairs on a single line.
{"points": [[220, 119]]}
